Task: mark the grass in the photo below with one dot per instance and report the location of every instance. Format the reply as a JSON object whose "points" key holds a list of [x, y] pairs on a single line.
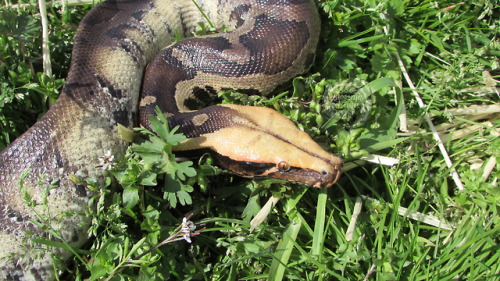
{"points": [[403, 216]]}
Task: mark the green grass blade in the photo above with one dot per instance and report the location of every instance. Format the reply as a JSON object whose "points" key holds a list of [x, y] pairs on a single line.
{"points": [[321, 267], [284, 250], [319, 226]]}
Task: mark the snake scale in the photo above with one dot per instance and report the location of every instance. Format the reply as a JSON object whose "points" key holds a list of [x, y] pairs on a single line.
{"points": [[270, 41]]}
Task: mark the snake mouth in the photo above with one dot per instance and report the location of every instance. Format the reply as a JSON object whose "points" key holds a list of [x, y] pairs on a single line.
{"points": [[325, 177], [318, 179]]}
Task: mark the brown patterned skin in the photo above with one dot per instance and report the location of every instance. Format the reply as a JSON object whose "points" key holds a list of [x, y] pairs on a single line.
{"points": [[272, 41]]}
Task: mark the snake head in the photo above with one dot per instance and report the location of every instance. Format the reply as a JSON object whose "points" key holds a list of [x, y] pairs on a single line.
{"points": [[259, 141], [325, 176]]}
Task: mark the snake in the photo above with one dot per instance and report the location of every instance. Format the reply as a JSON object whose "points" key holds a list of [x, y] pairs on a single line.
{"points": [[125, 63]]}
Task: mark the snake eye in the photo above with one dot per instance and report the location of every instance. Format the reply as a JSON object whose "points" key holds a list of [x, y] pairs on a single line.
{"points": [[283, 166]]}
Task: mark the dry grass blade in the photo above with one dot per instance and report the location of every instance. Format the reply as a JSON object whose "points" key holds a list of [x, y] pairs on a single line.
{"points": [[414, 215], [352, 224], [435, 134], [264, 212], [47, 66]]}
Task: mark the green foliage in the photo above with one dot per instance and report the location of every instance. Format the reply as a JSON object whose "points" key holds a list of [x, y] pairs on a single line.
{"points": [[351, 103], [158, 152], [138, 209], [25, 91]]}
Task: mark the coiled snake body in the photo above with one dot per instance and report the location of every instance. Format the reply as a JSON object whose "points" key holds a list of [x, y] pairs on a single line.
{"points": [[271, 42]]}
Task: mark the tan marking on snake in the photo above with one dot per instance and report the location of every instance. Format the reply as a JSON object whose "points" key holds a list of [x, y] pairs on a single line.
{"points": [[147, 100], [198, 120]]}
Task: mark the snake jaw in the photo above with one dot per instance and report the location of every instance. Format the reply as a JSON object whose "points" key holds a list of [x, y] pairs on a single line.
{"points": [[317, 179], [321, 177]]}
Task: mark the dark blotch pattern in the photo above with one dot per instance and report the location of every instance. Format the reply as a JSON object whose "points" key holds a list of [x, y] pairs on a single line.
{"points": [[81, 190], [106, 85], [117, 32], [121, 117], [238, 12], [249, 92], [13, 222], [201, 96]]}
